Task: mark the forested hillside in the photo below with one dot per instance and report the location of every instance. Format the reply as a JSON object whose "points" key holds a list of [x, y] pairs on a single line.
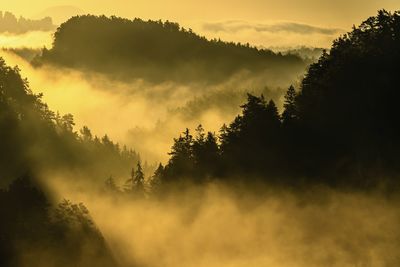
{"points": [[33, 140], [322, 172], [158, 51], [36, 138], [340, 128]]}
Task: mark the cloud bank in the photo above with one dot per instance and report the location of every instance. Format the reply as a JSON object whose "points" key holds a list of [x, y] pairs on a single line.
{"points": [[270, 34], [235, 26]]}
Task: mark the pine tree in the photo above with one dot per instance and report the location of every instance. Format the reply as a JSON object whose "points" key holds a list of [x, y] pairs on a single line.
{"points": [[272, 112], [156, 179], [290, 111], [138, 181], [130, 183], [110, 185]]}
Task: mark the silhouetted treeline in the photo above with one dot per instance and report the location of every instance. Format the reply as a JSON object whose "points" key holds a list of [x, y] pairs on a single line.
{"points": [[9, 23], [33, 138], [33, 141], [157, 51], [33, 233], [341, 128]]}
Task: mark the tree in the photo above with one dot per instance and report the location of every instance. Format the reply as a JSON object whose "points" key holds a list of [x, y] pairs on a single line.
{"points": [[157, 179], [251, 142], [86, 134], [135, 184], [110, 185], [67, 122], [290, 112], [130, 183], [139, 181], [272, 115], [181, 162], [205, 155]]}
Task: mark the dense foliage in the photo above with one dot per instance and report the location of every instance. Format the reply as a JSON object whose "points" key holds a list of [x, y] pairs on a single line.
{"points": [[157, 51], [37, 138], [33, 140], [32, 233], [341, 128]]}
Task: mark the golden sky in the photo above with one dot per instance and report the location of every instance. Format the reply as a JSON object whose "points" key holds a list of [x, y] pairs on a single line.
{"points": [[333, 13], [252, 15]]}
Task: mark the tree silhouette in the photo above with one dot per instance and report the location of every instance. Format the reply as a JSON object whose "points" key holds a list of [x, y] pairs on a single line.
{"points": [[181, 161], [339, 129], [139, 189], [156, 181], [157, 51], [110, 185], [67, 231], [289, 113]]}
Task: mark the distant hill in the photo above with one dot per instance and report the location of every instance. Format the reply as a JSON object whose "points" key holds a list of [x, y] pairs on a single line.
{"points": [[9, 23], [158, 51]]}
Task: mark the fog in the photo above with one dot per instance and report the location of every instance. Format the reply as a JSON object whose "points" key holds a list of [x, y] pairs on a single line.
{"points": [[217, 226], [272, 33], [143, 115], [32, 39], [214, 203]]}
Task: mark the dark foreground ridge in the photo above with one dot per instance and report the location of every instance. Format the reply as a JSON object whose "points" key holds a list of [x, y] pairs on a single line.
{"points": [[340, 128]]}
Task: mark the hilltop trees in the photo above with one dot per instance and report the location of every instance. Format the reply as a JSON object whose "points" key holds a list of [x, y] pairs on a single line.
{"points": [[348, 100], [157, 51], [9, 23], [135, 184], [249, 144], [193, 159], [250, 141], [289, 114]]}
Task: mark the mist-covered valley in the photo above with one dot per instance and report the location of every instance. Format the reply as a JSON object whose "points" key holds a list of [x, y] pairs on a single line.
{"points": [[151, 110], [128, 142]]}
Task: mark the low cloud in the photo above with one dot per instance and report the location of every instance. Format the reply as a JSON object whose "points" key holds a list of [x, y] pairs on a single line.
{"points": [[214, 226], [235, 26], [32, 39]]}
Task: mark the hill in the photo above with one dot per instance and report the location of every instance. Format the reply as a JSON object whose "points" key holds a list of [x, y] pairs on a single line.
{"points": [[33, 140], [10, 24], [157, 51]]}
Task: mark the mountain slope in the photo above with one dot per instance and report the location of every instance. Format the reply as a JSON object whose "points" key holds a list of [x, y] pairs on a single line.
{"points": [[158, 51], [341, 128]]}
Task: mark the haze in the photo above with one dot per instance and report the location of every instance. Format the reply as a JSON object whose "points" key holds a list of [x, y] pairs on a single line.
{"points": [[199, 134], [340, 15]]}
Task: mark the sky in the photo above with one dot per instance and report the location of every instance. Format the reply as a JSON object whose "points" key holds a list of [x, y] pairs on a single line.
{"points": [[338, 13], [260, 22]]}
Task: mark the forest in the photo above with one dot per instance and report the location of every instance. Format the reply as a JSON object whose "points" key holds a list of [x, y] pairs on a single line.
{"points": [[9, 23], [334, 138], [157, 51], [341, 120]]}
